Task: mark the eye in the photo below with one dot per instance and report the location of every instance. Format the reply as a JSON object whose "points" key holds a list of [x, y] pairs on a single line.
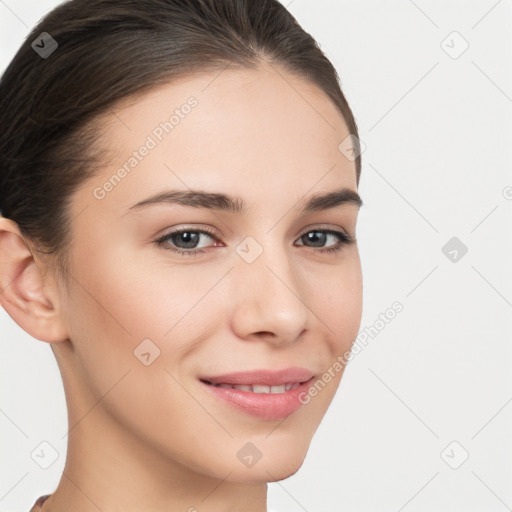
{"points": [[320, 236], [186, 241]]}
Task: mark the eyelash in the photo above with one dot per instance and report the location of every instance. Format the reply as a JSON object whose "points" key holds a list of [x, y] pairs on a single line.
{"points": [[344, 240]]}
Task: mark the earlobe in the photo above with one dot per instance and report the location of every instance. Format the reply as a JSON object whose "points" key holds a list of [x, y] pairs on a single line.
{"points": [[22, 288]]}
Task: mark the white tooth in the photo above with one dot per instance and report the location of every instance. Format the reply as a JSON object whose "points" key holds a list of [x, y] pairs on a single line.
{"points": [[261, 389], [243, 387]]}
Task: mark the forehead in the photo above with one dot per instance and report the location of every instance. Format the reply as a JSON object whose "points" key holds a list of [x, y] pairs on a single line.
{"points": [[242, 130]]}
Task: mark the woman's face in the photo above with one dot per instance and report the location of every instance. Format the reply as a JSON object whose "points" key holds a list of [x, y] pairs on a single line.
{"points": [[146, 323]]}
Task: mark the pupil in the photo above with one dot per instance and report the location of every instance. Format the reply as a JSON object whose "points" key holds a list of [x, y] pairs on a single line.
{"points": [[190, 239], [316, 237]]}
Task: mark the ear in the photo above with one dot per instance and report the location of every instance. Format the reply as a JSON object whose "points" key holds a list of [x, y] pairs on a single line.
{"points": [[31, 302]]}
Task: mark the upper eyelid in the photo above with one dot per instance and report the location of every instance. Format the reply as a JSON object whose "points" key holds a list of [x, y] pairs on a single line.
{"points": [[213, 232], [202, 230]]}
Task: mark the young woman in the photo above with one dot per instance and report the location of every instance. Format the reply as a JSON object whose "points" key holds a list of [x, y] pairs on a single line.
{"points": [[178, 183]]}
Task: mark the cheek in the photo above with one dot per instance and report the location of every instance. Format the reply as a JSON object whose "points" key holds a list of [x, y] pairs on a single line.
{"points": [[148, 297], [119, 306], [340, 307], [135, 308]]}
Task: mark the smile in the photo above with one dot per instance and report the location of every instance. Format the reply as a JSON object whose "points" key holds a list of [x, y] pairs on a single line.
{"points": [[265, 394]]}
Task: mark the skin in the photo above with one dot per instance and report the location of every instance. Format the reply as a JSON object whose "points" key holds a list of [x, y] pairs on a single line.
{"points": [[140, 437]]}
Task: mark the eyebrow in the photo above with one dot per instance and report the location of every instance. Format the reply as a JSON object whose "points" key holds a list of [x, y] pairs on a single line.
{"points": [[223, 202]]}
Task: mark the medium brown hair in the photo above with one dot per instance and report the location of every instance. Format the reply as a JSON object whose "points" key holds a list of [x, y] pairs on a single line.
{"points": [[111, 49]]}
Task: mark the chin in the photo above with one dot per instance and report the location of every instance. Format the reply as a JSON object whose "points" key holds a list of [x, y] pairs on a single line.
{"points": [[278, 466], [283, 472]]}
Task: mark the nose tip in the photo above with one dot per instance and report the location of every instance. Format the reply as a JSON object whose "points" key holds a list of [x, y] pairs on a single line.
{"points": [[270, 308]]}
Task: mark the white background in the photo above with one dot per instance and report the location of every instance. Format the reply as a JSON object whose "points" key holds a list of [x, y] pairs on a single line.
{"points": [[437, 165]]}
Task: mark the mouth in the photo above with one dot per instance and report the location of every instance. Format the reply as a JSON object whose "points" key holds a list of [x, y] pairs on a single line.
{"points": [[268, 395]]}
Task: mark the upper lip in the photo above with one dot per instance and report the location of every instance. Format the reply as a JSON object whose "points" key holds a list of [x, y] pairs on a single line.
{"points": [[263, 377]]}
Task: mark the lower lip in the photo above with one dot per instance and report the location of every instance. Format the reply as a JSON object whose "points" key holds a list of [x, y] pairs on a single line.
{"points": [[267, 406]]}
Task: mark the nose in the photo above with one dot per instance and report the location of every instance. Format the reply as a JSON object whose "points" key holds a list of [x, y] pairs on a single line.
{"points": [[268, 301]]}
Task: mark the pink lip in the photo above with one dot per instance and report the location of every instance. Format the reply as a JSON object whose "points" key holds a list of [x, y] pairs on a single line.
{"points": [[267, 406], [263, 377]]}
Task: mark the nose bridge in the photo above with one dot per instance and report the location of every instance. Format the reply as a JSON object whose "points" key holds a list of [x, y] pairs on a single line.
{"points": [[268, 294]]}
